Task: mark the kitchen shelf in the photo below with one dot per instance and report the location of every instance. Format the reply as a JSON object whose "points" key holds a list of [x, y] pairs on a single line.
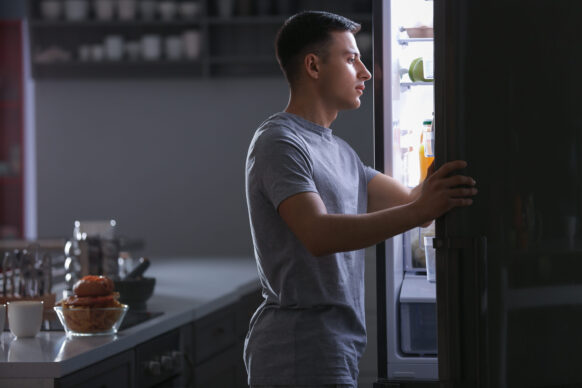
{"points": [[89, 24], [246, 20], [117, 69], [239, 59], [236, 45]]}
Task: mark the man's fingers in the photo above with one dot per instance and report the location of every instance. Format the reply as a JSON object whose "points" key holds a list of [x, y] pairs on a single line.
{"points": [[463, 192], [459, 202], [459, 180], [447, 168]]}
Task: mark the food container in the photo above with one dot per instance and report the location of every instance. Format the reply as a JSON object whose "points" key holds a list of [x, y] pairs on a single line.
{"points": [[420, 32], [91, 321], [430, 254]]}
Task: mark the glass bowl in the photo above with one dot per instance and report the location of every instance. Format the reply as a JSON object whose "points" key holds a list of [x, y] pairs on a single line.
{"points": [[91, 321]]}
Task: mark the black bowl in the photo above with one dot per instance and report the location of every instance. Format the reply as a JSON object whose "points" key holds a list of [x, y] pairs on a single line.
{"points": [[135, 292]]}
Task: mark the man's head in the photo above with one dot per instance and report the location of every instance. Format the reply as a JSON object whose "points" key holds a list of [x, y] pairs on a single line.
{"points": [[307, 32]]}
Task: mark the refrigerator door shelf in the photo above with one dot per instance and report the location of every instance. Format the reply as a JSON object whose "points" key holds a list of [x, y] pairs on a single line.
{"points": [[418, 316]]}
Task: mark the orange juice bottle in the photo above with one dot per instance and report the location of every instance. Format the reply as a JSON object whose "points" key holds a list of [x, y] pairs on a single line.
{"points": [[425, 160]]}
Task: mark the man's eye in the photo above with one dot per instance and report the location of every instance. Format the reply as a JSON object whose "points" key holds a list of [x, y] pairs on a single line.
{"points": [[351, 59]]}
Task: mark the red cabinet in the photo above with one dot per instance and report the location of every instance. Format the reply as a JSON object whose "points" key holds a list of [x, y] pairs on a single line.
{"points": [[11, 130]]}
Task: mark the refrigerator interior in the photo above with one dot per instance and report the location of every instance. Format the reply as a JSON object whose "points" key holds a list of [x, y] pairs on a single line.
{"points": [[407, 103]]}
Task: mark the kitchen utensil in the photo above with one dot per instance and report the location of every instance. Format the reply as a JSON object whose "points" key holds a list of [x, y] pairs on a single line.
{"points": [[138, 271], [2, 317], [12, 274], [135, 292], [21, 262], [47, 275], [32, 272], [5, 266]]}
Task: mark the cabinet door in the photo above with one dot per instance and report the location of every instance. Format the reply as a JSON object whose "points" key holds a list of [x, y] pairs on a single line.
{"points": [[114, 372], [219, 371], [213, 333]]}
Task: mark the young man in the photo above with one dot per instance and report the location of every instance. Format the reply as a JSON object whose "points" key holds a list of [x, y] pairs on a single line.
{"points": [[314, 206]]}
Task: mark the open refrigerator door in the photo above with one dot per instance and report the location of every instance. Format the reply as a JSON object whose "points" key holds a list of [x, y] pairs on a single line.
{"points": [[404, 53]]}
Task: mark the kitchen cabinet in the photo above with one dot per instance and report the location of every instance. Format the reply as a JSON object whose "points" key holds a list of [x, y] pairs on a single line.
{"points": [[207, 352], [11, 130], [234, 38], [114, 372], [216, 348]]}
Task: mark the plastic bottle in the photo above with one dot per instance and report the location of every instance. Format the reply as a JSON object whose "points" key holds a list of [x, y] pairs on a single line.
{"points": [[425, 153]]}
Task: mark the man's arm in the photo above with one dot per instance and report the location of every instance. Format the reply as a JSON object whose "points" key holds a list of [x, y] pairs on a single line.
{"points": [[322, 233], [385, 192]]}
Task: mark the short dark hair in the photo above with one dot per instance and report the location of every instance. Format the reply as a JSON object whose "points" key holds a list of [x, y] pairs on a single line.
{"points": [[306, 32]]}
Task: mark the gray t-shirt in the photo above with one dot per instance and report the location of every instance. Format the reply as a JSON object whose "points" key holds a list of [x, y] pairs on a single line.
{"points": [[311, 327]]}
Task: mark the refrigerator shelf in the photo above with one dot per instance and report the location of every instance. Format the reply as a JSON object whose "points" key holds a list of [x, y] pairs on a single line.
{"points": [[408, 85], [405, 41]]}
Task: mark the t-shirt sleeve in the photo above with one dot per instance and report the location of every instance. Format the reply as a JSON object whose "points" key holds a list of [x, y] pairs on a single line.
{"points": [[283, 168], [370, 173]]}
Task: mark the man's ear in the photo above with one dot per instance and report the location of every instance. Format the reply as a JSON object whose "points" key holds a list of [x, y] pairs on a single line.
{"points": [[311, 64]]}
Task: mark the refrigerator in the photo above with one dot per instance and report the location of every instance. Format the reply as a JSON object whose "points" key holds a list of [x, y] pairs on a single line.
{"points": [[506, 308]]}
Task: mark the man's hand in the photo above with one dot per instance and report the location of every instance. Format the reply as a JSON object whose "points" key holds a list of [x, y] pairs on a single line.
{"points": [[441, 192]]}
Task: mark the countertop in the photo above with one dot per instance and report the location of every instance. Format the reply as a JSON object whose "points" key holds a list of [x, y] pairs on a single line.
{"points": [[186, 289]]}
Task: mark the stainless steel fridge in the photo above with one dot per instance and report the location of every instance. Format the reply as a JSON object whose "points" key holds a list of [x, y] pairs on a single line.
{"points": [[506, 308]]}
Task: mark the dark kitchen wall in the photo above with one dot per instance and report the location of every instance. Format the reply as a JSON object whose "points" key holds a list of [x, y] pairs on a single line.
{"points": [[165, 158]]}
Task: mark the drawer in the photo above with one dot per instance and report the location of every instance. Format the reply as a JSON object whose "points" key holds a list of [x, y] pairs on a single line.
{"points": [[213, 333], [116, 371], [218, 371], [159, 359]]}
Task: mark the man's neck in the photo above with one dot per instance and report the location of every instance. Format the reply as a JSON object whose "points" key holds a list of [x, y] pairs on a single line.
{"points": [[311, 110]]}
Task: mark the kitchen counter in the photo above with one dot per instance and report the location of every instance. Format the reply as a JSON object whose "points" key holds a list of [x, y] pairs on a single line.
{"points": [[186, 290]]}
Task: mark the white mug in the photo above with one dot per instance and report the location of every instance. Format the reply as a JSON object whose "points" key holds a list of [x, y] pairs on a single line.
{"points": [[127, 9], [167, 9], [114, 47], [151, 47], [191, 40], [104, 9], [51, 9], [76, 10], [147, 9], [173, 47], [25, 317]]}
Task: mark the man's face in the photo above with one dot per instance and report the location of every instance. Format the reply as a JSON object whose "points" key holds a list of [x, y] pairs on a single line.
{"points": [[342, 73]]}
